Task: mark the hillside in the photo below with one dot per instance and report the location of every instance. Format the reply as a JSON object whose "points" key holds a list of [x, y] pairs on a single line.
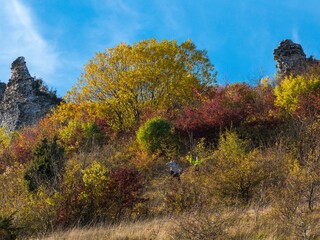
{"points": [[148, 140]]}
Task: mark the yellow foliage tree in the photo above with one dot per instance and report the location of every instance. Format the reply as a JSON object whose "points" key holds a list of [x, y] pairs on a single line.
{"points": [[124, 80], [238, 169], [5, 138], [289, 92]]}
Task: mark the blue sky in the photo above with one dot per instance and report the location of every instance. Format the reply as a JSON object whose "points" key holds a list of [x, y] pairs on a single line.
{"points": [[58, 37]]}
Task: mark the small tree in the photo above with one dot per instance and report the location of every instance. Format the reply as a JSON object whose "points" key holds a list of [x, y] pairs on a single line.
{"points": [[46, 165], [238, 168], [292, 90]]}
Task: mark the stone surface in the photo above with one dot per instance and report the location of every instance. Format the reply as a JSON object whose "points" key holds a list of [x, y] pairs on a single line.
{"points": [[291, 59], [3, 87], [24, 100]]}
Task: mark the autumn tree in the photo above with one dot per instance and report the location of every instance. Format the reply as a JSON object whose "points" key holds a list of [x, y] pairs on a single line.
{"points": [[297, 201], [4, 139], [239, 169], [292, 92], [124, 80], [264, 108]]}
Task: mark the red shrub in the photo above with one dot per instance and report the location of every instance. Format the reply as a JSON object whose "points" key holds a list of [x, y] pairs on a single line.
{"points": [[221, 107], [309, 106], [79, 205], [126, 188], [22, 145]]}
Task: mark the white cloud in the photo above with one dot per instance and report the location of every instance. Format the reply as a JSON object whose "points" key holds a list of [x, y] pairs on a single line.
{"points": [[20, 36]]}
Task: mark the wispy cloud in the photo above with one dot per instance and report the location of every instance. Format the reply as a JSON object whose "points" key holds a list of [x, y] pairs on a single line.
{"points": [[20, 36], [173, 19], [115, 21], [295, 35]]}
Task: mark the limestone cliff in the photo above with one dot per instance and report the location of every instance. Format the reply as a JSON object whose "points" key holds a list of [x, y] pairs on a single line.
{"points": [[24, 100], [291, 59]]}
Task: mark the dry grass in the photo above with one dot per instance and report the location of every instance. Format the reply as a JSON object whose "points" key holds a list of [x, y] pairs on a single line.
{"points": [[151, 230], [232, 225]]}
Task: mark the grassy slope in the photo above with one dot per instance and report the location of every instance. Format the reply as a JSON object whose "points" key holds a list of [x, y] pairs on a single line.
{"points": [[243, 224], [153, 229]]}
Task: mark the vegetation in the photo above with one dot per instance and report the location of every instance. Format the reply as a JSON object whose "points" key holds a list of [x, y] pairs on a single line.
{"points": [[155, 135], [292, 90], [7, 230], [126, 79], [46, 165], [249, 154]]}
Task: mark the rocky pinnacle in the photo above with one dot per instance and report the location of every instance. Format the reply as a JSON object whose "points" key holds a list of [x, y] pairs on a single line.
{"points": [[24, 100], [291, 59]]}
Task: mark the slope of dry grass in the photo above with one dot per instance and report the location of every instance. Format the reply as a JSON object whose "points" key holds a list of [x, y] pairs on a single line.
{"points": [[234, 224], [153, 229]]}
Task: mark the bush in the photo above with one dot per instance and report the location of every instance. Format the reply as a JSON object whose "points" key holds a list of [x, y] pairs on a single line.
{"points": [[202, 225], [155, 135], [95, 194], [217, 109], [239, 169], [81, 136], [7, 229]]}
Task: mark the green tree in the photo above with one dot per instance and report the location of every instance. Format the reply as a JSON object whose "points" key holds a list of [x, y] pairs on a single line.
{"points": [[128, 78], [46, 166]]}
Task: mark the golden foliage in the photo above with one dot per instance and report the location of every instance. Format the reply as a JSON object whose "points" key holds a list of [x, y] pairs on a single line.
{"points": [[124, 80]]}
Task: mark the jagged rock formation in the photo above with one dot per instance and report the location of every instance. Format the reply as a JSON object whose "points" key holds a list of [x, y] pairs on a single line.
{"points": [[291, 59], [24, 100]]}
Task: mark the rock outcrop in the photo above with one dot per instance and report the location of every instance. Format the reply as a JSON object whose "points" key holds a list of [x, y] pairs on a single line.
{"points": [[24, 100], [291, 59], [3, 87]]}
